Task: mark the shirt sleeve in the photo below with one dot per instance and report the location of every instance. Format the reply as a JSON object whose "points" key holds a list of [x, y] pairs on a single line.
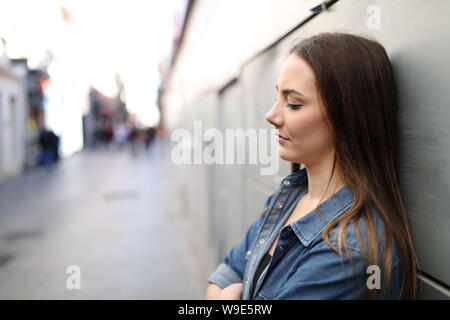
{"points": [[231, 270], [324, 275]]}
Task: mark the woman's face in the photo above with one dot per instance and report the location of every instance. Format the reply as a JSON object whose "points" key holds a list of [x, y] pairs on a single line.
{"points": [[304, 136]]}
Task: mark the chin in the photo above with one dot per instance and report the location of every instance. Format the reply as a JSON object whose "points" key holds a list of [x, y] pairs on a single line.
{"points": [[289, 156], [285, 155]]}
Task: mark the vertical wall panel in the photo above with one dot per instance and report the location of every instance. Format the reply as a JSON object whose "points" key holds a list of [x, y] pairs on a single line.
{"points": [[232, 189]]}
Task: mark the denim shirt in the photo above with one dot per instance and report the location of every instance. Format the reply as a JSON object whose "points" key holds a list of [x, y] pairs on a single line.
{"points": [[303, 265]]}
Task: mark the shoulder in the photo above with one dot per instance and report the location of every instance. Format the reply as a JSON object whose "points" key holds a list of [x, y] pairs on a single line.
{"points": [[359, 227]]}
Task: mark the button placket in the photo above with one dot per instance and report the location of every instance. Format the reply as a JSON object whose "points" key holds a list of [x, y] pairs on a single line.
{"points": [[266, 233]]}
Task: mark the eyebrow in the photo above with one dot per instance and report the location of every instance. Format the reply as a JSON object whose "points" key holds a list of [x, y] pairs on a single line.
{"points": [[288, 91]]}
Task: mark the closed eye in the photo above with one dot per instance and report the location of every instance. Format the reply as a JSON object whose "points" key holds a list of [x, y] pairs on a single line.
{"points": [[294, 106]]}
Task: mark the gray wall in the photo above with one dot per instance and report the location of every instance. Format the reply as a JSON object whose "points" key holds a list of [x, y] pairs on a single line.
{"points": [[226, 199]]}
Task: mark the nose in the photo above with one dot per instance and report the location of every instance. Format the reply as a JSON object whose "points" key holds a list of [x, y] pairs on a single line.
{"points": [[274, 116]]}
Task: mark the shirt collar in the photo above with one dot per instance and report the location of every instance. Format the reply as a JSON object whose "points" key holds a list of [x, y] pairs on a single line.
{"points": [[295, 179], [309, 226]]}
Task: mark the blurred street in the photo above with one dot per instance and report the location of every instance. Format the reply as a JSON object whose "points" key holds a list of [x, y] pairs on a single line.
{"points": [[114, 214]]}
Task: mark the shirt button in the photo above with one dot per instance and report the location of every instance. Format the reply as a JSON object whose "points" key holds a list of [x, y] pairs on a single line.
{"points": [[286, 182], [247, 281], [281, 248], [280, 205], [249, 252], [261, 241]]}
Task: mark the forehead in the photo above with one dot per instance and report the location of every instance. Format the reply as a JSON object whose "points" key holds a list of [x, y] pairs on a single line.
{"points": [[296, 74]]}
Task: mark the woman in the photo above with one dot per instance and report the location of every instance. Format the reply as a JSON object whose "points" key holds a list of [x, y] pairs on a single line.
{"points": [[336, 228]]}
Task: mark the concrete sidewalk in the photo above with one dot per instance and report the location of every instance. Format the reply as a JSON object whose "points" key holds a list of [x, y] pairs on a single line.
{"points": [[116, 216]]}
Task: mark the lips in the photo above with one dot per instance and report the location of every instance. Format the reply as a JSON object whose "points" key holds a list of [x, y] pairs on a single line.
{"points": [[282, 137]]}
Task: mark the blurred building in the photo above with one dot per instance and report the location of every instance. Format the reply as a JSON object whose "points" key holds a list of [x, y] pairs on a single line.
{"points": [[13, 115], [223, 70], [37, 80], [104, 114]]}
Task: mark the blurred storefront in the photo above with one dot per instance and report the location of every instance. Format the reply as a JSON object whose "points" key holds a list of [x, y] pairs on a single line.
{"points": [[13, 113]]}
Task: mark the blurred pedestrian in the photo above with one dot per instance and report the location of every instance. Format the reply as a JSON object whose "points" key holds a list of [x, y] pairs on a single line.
{"points": [[49, 145]]}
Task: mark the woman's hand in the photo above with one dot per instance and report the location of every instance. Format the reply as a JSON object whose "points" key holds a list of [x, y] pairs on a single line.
{"points": [[232, 292]]}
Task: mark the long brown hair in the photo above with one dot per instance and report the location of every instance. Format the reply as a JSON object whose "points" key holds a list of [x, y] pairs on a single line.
{"points": [[357, 89]]}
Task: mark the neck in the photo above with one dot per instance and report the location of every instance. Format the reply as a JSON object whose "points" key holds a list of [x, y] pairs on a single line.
{"points": [[319, 175]]}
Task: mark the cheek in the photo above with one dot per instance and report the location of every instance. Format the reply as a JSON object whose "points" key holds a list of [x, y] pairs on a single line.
{"points": [[302, 127], [310, 134]]}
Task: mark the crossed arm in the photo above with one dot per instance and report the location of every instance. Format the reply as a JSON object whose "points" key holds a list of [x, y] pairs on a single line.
{"points": [[236, 258], [232, 292]]}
